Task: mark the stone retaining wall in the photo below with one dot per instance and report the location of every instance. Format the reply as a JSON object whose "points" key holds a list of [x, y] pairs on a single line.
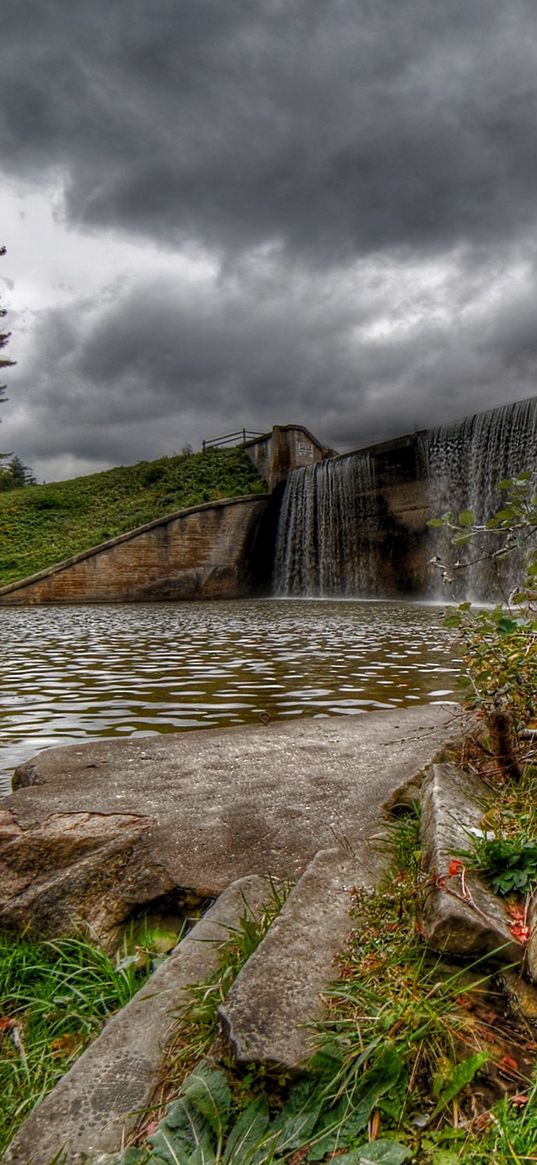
{"points": [[217, 550]]}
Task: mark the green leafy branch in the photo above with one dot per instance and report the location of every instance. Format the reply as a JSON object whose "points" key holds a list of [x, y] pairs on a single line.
{"points": [[499, 645]]}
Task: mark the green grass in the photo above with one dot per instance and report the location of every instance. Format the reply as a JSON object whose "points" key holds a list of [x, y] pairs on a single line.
{"points": [[401, 1071], [54, 999], [42, 525], [198, 1023]]}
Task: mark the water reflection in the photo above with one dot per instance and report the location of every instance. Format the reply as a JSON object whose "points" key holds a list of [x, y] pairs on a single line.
{"points": [[69, 673]]}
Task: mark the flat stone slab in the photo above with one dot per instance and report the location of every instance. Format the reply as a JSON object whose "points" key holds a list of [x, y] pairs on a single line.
{"points": [[120, 822], [268, 1013], [96, 1104], [462, 920]]}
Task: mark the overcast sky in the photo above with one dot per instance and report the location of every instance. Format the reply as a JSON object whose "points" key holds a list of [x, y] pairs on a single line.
{"points": [[229, 213]]}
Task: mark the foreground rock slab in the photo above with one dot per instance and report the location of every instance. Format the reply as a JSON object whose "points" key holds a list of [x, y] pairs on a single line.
{"points": [[96, 1105], [94, 831], [462, 920], [269, 1011]]}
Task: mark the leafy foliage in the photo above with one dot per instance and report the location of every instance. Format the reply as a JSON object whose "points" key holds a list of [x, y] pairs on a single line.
{"points": [[500, 645], [201, 1126], [45, 524], [512, 527], [508, 863]]}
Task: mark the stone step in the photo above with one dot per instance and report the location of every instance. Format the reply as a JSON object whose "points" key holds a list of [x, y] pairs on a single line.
{"points": [[96, 1104], [464, 919], [268, 1012]]}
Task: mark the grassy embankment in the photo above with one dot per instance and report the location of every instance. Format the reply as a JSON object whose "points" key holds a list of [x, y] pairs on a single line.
{"points": [[44, 524]]}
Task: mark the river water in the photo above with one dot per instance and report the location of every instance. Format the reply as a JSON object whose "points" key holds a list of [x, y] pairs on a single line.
{"points": [[72, 673]]}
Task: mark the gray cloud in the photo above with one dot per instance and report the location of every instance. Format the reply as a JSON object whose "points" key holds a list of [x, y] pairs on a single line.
{"points": [[335, 128], [162, 367], [361, 175]]}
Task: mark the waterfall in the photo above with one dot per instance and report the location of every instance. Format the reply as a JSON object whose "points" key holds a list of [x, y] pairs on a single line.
{"points": [[356, 525], [463, 464], [328, 530]]}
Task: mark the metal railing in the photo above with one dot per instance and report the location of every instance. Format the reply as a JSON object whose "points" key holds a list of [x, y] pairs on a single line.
{"points": [[238, 438]]}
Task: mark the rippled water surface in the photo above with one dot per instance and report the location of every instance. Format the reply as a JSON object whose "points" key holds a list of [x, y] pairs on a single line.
{"points": [[70, 673]]}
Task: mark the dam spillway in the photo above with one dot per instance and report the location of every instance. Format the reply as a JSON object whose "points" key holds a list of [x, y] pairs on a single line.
{"points": [[326, 534], [356, 525]]}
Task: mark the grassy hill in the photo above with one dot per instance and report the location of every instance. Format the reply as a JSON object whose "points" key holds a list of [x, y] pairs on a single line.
{"points": [[43, 524]]}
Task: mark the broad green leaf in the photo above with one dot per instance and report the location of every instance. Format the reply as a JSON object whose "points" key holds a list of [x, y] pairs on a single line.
{"points": [[507, 625], [341, 1126], [298, 1129], [461, 1075], [208, 1091], [302, 1092], [452, 620], [203, 1155], [381, 1152], [182, 1130], [466, 518], [244, 1138]]}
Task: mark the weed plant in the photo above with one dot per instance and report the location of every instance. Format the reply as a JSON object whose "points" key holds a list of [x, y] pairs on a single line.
{"points": [[54, 998], [505, 853], [42, 525]]}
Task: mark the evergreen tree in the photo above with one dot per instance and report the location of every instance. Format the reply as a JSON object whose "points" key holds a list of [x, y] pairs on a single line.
{"points": [[13, 474], [4, 339]]}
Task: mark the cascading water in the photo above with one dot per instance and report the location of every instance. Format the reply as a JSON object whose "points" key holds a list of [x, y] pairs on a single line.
{"points": [[463, 464], [336, 536], [327, 533]]}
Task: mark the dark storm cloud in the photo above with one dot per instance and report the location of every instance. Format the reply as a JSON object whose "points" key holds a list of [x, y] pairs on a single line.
{"points": [[165, 366], [335, 128], [353, 184]]}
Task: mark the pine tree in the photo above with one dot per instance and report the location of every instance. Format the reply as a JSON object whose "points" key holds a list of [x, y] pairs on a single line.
{"points": [[14, 474], [4, 339], [6, 470]]}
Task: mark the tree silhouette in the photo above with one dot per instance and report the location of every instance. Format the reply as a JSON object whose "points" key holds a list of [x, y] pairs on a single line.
{"points": [[4, 339]]}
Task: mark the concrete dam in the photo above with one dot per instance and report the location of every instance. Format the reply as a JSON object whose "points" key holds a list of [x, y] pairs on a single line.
{"points": [[353, 525]]}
